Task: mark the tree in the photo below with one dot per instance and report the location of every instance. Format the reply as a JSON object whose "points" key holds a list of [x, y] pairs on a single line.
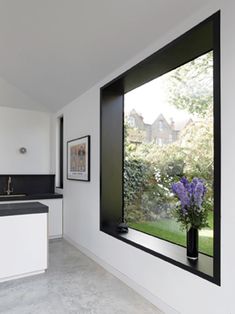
{"points": [[190, 86]]}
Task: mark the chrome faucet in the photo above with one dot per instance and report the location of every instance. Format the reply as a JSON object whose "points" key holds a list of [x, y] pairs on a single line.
{"points": [[9, 188]]}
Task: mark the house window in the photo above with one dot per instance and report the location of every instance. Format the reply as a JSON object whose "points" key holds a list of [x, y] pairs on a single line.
{"points": [[142, 176], [159, 141], [160, 125], [131, 122]]}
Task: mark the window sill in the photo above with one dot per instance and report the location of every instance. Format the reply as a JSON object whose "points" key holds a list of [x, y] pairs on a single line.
{"points": [[169, 252]]}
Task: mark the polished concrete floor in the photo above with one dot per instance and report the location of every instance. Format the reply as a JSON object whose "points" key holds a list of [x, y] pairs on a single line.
{"points": [[73, 284]]}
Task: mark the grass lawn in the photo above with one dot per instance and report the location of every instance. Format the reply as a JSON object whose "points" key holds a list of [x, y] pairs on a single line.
{"points": [[168, 229]]}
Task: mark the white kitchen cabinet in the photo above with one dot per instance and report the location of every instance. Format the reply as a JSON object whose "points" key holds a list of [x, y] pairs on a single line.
{"points": [[24, 245], [55, 219], [55, 215]]}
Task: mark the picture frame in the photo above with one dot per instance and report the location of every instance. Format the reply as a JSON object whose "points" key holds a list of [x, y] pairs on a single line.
{"points": [[78, 159]]}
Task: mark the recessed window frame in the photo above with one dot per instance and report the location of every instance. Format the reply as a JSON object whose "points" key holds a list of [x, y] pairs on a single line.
{"points": [[60, 152], [200, 39]]}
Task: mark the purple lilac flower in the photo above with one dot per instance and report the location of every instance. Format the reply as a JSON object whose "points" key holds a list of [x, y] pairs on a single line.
{"points": [[185, 182], [189, 186], [189, 194], [181, 192], [199, 193]]}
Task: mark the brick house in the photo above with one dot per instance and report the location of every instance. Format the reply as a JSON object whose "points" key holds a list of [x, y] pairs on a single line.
{"points": [[161, 131]]}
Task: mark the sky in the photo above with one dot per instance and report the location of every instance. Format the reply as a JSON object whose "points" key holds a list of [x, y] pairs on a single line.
{"points": [[150, 100]]}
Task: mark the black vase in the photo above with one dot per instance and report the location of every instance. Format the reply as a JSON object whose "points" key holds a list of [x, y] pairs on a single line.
{"points": [[192, 243]]}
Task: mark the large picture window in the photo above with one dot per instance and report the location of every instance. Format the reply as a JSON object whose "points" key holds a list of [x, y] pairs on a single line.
{"points": [[172, 138], [160, 133]]}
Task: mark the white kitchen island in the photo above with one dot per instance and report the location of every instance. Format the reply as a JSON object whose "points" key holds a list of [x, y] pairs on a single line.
{"points": [[23, 240]]}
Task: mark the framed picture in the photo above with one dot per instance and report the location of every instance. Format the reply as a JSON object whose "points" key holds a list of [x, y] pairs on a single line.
{"points": [[78, 159]]}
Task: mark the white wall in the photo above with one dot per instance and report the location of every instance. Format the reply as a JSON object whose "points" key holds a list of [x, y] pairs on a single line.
{"points": [[24, 128], [159, 280]]}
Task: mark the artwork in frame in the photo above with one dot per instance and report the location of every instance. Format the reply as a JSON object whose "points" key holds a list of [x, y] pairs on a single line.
{"points": [[78, 159]]}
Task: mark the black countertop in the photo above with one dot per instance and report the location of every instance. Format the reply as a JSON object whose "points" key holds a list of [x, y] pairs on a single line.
{"points": [[43, 196], [22, 209]]}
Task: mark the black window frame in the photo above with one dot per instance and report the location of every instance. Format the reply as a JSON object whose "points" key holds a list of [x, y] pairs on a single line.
{"points": [[60, 152], [200, 39]]}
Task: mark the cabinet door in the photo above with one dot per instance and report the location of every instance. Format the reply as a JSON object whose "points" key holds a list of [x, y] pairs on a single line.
{"points": [[23, 243], [55, 217]]}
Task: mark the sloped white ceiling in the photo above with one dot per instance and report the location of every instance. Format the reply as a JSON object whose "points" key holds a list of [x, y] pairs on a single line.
{"points": [[13, 97], [54, 50]]}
